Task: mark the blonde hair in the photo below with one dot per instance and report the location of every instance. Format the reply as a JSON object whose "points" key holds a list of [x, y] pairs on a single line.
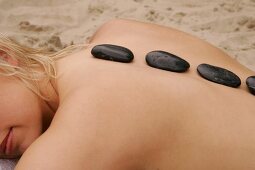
{"points": [[29, 60]]}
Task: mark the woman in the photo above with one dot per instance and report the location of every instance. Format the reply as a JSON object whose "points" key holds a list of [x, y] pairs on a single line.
{"points": [[109, 115]]}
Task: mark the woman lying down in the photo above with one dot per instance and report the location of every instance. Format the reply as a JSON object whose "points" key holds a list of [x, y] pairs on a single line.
{"points": [[139, 96]]}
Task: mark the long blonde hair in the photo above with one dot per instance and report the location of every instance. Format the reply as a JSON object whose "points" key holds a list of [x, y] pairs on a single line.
{"points": [[29, 60]]}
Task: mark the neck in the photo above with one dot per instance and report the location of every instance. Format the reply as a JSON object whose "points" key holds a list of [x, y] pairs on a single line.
{"points": [[54, 99], [49, 108]]}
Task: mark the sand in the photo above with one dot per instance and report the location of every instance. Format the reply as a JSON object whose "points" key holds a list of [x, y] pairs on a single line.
{"points": [[54, 24]]}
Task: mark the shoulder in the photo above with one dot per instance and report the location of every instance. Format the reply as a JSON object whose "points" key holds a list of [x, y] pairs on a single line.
{"points": [[92, 135]]}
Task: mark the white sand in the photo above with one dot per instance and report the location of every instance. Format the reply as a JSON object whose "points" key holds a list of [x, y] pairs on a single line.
{"points": [[227, 24]]}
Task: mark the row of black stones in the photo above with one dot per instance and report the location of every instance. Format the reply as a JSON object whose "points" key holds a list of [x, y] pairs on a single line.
{"points": [[170, 62]]}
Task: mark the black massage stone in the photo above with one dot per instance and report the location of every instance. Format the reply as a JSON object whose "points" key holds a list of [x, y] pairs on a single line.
{"points": [[250, 81], [166, 61], [113, 53], [219, 75]]}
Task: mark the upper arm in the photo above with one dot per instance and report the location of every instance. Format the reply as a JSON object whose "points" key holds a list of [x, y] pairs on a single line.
{"points": [[66, 145], [50, 151]]}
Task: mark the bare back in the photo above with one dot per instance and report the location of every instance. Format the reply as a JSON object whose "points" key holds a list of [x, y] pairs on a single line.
{"points": [[131, 116]]}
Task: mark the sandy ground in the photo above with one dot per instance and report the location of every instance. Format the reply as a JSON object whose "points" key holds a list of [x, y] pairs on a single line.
{"points": [[227, 24]]}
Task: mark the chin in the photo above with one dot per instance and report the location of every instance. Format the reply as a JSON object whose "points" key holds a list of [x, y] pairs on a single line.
{"points": [[11, 156], [29, 139], [23, 148]]}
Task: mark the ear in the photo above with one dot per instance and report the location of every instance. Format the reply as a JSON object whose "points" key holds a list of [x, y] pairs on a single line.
{"points": [[4, 56]]}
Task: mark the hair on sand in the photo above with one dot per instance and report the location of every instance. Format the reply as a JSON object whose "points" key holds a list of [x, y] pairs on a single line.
{"points": [[29, 60]]}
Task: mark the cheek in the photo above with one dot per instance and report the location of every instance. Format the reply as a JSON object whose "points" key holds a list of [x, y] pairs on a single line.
{"points": [[19, 109], [30, 118], [23, 114], [18, 117]]}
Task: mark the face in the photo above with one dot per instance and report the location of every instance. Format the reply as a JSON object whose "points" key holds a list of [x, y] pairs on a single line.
{"points": [[20, 117]]}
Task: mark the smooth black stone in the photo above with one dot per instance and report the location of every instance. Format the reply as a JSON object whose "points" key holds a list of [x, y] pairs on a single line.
{"points": [[166, 61], [219, 75], [250, 81], [113, 53]]}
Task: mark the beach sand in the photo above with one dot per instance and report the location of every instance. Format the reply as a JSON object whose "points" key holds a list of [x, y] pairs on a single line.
{"points": [[54, 24]]}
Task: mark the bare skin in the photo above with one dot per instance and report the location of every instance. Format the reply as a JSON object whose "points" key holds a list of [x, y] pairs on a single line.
{"points": [[115, 116]]}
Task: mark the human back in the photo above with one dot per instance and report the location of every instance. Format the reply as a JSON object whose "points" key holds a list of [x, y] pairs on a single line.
{"points": [[131, 116]]}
